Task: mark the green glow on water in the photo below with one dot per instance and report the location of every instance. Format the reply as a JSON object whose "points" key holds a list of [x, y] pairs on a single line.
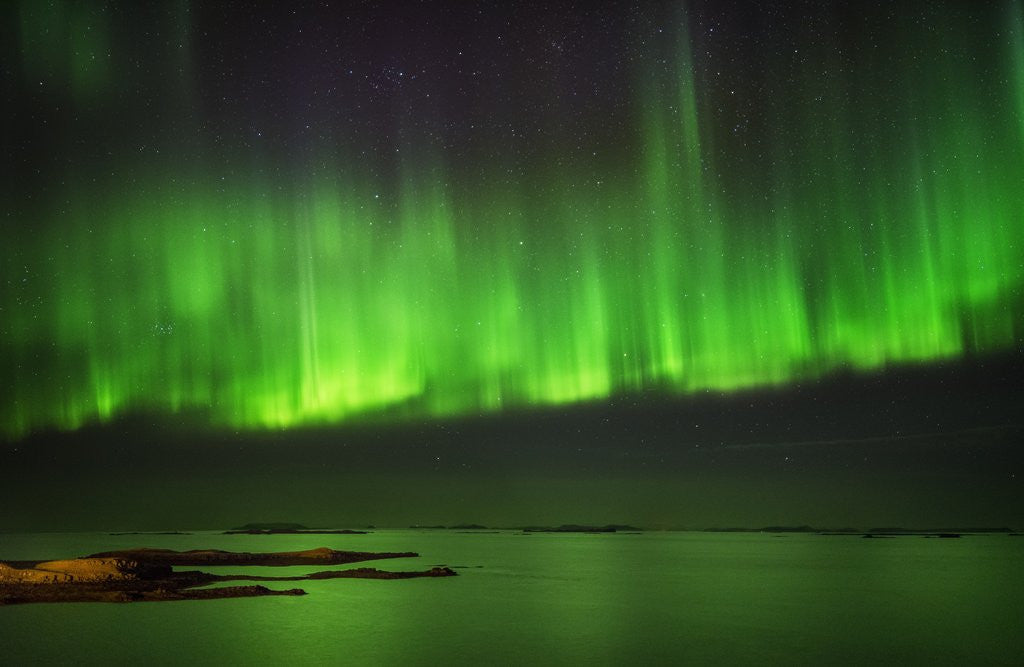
{"points": [[864, 244]]}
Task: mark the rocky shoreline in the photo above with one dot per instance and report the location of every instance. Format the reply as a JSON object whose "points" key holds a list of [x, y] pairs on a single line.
{"points": [[320, 556], [147, 575]]}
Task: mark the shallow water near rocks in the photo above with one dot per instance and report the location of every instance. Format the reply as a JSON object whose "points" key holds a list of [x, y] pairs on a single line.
{"points": [[646, 598]]}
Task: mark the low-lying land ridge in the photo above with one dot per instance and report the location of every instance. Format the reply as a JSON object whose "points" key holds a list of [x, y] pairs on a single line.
{"points": [[287, 529], [293, 531], [576, 528]]}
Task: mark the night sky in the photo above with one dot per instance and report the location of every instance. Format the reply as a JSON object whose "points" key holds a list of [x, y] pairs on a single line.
{"points": [[675, 264]]}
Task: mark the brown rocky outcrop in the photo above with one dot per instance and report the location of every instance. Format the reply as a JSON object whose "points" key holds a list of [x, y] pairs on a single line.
{"points": [[140, 575], [80, 570]]}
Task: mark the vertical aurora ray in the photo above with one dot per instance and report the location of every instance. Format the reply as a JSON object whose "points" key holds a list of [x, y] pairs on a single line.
{"points": [[1015, 23], [66, 44], [888, 229]]}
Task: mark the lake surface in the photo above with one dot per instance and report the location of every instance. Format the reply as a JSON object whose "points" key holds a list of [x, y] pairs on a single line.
{"points": [[560, 598]]}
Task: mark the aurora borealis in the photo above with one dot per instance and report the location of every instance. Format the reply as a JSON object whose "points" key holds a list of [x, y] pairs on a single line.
{"points": [[271, 230]]}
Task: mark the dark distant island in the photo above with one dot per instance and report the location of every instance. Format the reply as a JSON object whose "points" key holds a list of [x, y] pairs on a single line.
{"points": [[871, 532], [575, 528], [458, 526], [286, 529], [897, 531], [145, 575], [289, 531], [962, 530], [766, 529], [141, 532], [272, 526]]}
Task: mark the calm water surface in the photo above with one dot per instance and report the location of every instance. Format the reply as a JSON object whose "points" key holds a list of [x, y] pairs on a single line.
{"points": [[550, 599]]}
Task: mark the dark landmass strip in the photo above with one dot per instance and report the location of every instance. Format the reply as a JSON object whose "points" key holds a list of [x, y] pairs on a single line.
{"points": [[938, 531], [956, 532], [272, 526], [905, 534], [354, 573], [574, 528], [292, 531], [857, 532], [166, 532], [766, 529], [146, 575], [458, 526]]}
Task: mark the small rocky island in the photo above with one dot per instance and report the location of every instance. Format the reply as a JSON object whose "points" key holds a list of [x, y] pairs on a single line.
{"points": [[145, 575]]}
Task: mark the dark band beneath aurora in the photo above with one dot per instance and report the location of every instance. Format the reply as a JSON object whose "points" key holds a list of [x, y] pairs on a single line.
{"points": [[296, 219]]}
